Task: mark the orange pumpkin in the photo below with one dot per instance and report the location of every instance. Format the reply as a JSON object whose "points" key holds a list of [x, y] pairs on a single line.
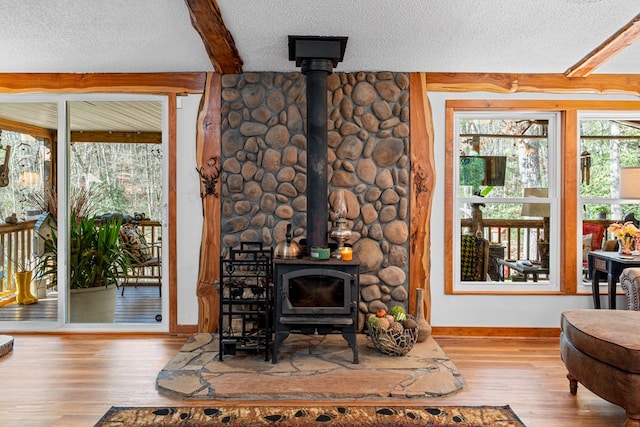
{"points": [[381, 312]]}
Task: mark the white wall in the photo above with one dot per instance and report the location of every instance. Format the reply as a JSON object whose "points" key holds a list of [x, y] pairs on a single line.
{"points": [[447, 310], [189, 210], [488, 310]]}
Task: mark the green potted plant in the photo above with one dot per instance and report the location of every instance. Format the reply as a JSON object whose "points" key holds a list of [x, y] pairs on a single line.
{"points": [[603, 212], [96, 260]]}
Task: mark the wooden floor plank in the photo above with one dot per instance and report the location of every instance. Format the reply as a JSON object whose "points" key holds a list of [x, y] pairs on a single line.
{"points": [[72, 379]]}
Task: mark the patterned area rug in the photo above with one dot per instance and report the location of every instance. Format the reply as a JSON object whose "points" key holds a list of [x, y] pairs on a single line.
{"points": [[335, 416]]}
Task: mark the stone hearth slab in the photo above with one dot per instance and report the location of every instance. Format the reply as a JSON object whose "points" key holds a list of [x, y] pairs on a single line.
{"points": [[309, 367]]}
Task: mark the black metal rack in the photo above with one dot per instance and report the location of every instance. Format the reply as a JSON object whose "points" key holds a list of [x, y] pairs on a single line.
{"points": [[246, 299]]}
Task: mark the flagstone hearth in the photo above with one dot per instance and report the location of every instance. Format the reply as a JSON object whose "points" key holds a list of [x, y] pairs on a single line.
{"points": [[309, 367]]}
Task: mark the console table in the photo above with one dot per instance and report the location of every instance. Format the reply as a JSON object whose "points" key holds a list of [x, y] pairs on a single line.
{"points": [[611, 264]]}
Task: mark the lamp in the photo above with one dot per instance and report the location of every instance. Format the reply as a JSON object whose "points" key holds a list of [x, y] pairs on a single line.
{"points": [[28, 180], [539, 210], [535, 209], [630, 183], [340, 232]]}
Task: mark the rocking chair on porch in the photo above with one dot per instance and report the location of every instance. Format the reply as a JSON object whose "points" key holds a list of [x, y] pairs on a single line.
{"points": [[145, 258]]}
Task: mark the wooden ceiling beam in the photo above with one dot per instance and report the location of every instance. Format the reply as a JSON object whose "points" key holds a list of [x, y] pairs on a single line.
{"points": [[221, 48], [543, 83], [35, 131], [117, 137], [611, 47], [184, 83], [180, 83]]}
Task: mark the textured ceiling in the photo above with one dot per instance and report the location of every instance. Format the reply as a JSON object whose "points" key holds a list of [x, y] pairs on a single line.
{"points": [[82, 36], [518, 36]]}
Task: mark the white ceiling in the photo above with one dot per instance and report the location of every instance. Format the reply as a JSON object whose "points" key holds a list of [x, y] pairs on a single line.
{"points": [[508, 36]]}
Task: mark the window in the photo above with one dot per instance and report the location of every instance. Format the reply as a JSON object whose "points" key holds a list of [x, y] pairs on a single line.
{"points": [[608, 143], [504, 202]]}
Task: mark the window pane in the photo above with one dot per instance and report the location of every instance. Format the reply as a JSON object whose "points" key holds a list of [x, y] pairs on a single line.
{"points": [[514, 232], [501, 157], [606, 146], [125, 176]]}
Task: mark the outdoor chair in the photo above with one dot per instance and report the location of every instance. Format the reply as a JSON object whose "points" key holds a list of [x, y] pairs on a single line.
{"points": [[145, 259], [592, 239], [474, 258]]}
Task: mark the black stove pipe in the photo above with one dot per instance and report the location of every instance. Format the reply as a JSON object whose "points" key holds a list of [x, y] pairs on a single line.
{"points": [[317, 71]]}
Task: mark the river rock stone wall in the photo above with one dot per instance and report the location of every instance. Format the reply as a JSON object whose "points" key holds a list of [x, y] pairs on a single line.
{"points": [[264, 169]]}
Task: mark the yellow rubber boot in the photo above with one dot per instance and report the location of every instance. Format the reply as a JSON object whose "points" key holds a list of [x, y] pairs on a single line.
{"points": [[23, 285]]}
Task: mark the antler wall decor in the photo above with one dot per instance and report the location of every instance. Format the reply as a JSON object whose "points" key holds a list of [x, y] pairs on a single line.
{"points": [[210, 180]]}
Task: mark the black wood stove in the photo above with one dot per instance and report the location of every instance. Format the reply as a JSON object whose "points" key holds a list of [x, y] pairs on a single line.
{"points": [[316, 297]]}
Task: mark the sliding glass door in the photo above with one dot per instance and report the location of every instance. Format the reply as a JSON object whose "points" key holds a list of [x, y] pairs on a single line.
{"points": [[91, 199]]}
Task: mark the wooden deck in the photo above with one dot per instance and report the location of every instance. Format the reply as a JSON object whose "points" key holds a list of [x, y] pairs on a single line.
{"points": [[138, 305]]}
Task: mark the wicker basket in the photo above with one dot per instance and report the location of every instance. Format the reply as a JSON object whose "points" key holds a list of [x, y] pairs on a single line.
{"points": [[393, 343]]}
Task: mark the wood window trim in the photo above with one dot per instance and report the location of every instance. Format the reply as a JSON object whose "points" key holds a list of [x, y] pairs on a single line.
{"points": [[569, 183]]}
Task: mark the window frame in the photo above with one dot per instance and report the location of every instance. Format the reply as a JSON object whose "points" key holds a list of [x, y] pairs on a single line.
{"points": [[553, 138], [585, 286]]}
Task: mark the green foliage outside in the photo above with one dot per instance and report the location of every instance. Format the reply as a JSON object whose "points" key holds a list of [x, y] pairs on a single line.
{"points": [[96, 257], [125, 178], [607, 156], [524, 144], [527, 165]]}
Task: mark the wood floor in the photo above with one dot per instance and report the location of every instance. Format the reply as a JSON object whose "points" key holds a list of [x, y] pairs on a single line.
{"points": [[71, 380]]}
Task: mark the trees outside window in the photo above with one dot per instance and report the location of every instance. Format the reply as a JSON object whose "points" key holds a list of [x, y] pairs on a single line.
{"points": [[29, 162], [125, 176]]}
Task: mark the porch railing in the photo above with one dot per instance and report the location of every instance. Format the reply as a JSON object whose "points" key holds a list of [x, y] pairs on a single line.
{"points": [[16, 250], [519, 236], [16, 253]]}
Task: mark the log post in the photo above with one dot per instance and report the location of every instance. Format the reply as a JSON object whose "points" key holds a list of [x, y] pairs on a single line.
{"points": [[208, 163], [423, 181]]}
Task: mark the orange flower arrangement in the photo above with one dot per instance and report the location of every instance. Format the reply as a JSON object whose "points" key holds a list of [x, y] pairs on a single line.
{"points": [[623, 230], [626, 234]]}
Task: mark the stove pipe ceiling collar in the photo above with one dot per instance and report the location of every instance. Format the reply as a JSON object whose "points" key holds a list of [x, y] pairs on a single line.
{"points": [[317, 56], [312, 48]]}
